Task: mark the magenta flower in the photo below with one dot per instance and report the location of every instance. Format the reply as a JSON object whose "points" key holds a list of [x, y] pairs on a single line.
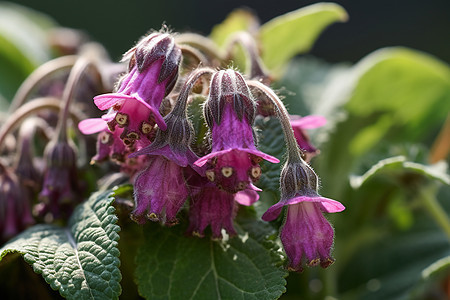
{"points": [[299, 125], [160, 191], [134, 107], [153, 71], [212, 207], [233, 163], [306, 235]]}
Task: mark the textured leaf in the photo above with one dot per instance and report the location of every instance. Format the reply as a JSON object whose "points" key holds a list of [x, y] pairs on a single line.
{"points": [[81, 260], [295, 32], [271, 141], [173, 266]]}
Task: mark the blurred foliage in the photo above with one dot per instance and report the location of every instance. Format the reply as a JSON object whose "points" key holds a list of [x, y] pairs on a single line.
{"points": [[384, 114]]}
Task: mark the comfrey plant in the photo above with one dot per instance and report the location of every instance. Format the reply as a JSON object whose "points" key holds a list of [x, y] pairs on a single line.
{"points": [[187, 151], [177, 126], [176, 172]]}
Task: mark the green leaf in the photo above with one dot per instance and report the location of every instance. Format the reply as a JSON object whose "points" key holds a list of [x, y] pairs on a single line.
{"points": [[392, 267], [237, 20], [271, 141], [295, 32], [410, 88], [398, 165], [81, 261], [394, 95], [173, 266], [23, 45]]}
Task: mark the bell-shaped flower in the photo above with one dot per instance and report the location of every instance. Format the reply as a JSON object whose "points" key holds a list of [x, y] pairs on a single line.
{"points": [[212, 207], [299, 125], [306, 235], [160, 190], [233, 163], [134, 108], [58, 195]]}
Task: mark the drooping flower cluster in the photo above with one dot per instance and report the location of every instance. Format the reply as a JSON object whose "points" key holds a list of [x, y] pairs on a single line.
{"points": [[220, 174], [207, 173]]}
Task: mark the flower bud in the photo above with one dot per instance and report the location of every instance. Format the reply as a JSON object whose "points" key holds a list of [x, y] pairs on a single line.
{"points": [[233, 163]]}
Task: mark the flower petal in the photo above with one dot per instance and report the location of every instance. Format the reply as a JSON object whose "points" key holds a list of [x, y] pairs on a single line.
{"points": [[309, 122], [202, 161], [90, 126], [327, 205], [246, 197]]}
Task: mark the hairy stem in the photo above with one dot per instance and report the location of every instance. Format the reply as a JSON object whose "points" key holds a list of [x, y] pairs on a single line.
{"points": [[180, 105], [256, 69], [87, 59], [293, 151]]}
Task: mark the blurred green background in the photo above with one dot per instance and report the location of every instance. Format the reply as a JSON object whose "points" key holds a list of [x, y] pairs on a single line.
{"points": [[418, 24]]}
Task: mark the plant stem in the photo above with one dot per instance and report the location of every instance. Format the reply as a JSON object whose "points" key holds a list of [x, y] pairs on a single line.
{"points": [[39, 75], [89, 58], [427, 196], [293, 151], [38, 104], [200, 42], [256, 69]]}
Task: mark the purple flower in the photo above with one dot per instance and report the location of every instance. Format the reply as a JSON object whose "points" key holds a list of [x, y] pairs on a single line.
{"points": [[233, 163], [160, 191], [212, 207], [299, 124], [15, 212], [58, 195], [306, 235], [134, 107]]}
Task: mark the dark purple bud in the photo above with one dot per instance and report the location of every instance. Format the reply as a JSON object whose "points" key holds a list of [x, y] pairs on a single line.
{"points": [[15, 212], [60, 186], [228, 87], [157, 47], [233, 163]]}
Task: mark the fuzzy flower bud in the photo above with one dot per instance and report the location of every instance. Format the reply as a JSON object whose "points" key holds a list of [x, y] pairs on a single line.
{"points": [[58, 195], [233, 163]]}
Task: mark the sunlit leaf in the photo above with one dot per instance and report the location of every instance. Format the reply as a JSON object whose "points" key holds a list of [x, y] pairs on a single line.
{"points": [[237, 20], [295, 32]]}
